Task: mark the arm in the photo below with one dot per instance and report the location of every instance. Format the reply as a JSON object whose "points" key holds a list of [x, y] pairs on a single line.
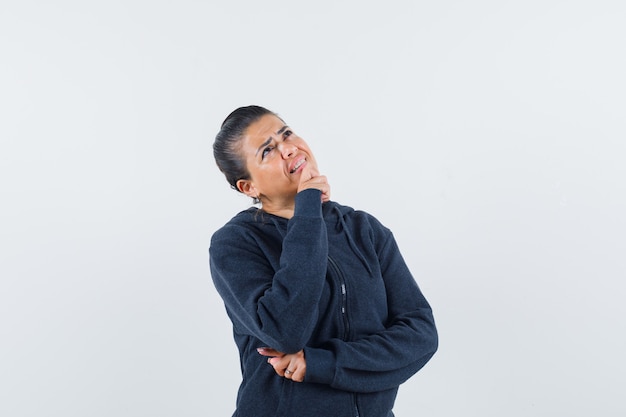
{"points": [[385, 359], [278, 306]]}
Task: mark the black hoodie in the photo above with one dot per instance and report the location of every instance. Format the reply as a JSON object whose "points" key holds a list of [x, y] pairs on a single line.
{"points": [[331, 281]]}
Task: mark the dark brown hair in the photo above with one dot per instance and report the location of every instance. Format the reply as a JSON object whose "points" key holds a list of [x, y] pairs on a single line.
{"points": [[226, 148]]}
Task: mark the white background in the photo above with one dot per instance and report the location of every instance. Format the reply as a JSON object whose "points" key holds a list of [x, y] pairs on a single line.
{"points": [[490, 136]]}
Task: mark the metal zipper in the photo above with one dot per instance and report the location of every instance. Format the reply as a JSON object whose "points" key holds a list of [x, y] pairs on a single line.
{"points": [[344, 298], [344, 315]]}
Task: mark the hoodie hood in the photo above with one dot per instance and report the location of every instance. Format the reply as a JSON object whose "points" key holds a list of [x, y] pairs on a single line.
{"points": [[336, 219]]}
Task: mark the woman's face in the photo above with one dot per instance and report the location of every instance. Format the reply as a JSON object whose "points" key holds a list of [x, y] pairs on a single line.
{"points": [[276, 159]]}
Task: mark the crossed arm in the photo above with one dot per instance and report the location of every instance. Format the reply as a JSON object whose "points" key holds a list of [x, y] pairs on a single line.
{"points": [[283, 312]]}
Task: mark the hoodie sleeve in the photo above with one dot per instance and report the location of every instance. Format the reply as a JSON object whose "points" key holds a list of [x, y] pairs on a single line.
{"points": [[278, 306], [388, 358]]}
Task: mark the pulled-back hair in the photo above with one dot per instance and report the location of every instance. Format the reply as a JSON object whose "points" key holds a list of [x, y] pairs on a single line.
{"points": [[227, 145]]}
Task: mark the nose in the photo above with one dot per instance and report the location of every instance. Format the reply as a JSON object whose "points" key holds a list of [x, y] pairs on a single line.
{"points": [[287, 150]]}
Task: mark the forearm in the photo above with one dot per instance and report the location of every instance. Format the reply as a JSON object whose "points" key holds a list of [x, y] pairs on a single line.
{"points": [[289, 308], [275, 300], [377, 362]]}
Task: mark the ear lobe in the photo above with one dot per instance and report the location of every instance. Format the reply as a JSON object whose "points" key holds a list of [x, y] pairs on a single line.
{"points": [[246, 187]]}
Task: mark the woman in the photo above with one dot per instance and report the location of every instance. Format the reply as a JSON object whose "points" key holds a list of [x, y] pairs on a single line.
{"points": [[326, 315]]}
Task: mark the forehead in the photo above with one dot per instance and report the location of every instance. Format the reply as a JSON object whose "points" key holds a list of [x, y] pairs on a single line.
{"points": [[264, 128]]}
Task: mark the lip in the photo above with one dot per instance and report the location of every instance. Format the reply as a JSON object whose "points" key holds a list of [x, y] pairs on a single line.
{"points": [[295, 162]]}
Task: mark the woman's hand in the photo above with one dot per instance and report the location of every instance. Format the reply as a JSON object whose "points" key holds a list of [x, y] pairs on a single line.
{"points": [[291, 366], [311, 178]]}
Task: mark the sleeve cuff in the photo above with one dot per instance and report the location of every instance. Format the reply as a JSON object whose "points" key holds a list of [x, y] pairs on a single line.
{"points": [[320, 366], [308, 203]]}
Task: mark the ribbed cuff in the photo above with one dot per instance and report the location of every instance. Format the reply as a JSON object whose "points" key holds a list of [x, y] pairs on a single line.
{"points": [[320, 366], [308, 203]]}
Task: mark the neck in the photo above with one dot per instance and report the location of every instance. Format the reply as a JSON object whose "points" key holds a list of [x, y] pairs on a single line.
{"points": [[279, 208]]}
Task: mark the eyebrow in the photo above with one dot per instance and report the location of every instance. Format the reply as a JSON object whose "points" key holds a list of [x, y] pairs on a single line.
{"points": [[267, 142]]}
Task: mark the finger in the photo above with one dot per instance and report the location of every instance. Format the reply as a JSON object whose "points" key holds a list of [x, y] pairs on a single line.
{"points": [[320, 183], [299, 373], [279, 365], [325, 189], [296, 367], [313, 170], [319, 179], [305, 174], [266, 351], [288, 373]]}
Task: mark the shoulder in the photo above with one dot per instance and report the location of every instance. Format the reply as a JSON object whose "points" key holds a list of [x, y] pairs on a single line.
{"points": [[358, 222], [348, 213], [244, 225]]}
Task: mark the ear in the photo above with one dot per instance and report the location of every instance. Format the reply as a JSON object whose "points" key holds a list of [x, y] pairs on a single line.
{"points": [[246, 187]]}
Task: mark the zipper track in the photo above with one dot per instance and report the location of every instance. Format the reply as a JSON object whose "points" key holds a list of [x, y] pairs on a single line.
{"points": [[344, 299], [344, 315]]}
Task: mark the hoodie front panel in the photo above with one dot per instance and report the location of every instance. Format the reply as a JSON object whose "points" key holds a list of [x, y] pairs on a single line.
{"points": [[352, 305]]}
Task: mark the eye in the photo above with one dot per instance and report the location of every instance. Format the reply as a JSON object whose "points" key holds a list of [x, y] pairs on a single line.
{"points": [[287, 133], [266, 151]]}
